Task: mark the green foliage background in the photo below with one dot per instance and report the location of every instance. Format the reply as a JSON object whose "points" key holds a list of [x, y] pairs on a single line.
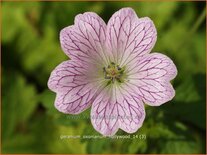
{"points": [[31, 50]]}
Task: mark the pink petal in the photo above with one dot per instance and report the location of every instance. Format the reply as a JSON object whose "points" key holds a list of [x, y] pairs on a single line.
{"points": [[85, 39], [131, 110], [129, 37], [150, 78], [104, 113], [74, 87], [115, 108]]}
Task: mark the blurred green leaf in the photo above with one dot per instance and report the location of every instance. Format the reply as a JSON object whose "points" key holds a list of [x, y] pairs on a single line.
{"points": [[96, 146], [17, 21], [19, 102], [47, 98], [186, 91], [20, 143], [180, 146]]}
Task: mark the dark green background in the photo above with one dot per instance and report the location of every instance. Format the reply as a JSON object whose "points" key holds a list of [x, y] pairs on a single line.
{"points": [[31, 50]]}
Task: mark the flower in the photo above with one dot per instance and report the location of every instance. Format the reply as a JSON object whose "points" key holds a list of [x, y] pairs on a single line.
{"points": [[111, 70]]}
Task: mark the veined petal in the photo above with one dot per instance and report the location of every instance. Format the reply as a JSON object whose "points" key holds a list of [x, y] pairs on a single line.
{"points": [[129, 36], [115, 108], [104, 113], [131, 110], [75, 86], [85, 40], [150, 78]]}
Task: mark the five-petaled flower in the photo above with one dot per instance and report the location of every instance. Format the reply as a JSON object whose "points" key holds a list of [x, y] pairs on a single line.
{"points": [[111, 70]]}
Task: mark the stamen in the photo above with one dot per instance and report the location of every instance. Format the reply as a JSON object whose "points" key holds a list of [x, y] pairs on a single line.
{"points": [[113, 73]]}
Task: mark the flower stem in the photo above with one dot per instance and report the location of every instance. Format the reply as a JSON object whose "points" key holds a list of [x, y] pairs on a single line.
{"points": [[197, 24]]}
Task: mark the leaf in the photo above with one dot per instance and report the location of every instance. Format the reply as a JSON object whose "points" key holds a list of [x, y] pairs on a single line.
{"points": [[137, 146], [68, 145], [186, 91], [198, 45], [181, 147], [96, 146], [166, 131], [16, 21], [47, 99], [19, 101], [189, 104], [20, 143]]}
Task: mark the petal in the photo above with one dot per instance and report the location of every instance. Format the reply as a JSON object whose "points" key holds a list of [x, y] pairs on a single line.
{"points": [[150, 78], [129, 36], [131, 110], [85, 39], [75, 89], [115, 108], [104, 113]]}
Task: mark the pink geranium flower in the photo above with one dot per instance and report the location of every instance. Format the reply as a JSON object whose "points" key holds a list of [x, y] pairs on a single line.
{"points": [[111, 70]]}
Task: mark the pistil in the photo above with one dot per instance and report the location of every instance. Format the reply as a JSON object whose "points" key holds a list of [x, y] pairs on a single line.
{"points": [[113, 73]]}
